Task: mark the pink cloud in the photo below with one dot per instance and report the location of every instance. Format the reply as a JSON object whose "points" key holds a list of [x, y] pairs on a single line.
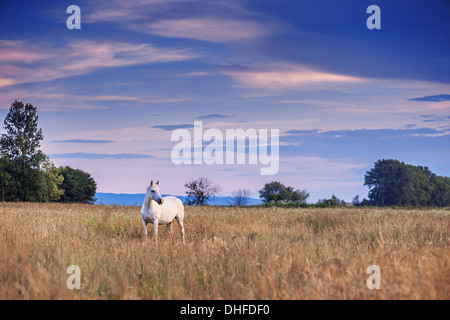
{"points": [[283, 76], [78, 58], [208, 29], [14, 51]]}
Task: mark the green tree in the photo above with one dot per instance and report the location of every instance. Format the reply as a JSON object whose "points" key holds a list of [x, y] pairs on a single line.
{"points": [[6, 179], [299, 195], [276, 191], [419, 186], [26, 173], [272, 191], [388, 183], [392, 182], [78, 186], [23, 137], [21, 144], [332, 202], [440, 196], [51, 182]]}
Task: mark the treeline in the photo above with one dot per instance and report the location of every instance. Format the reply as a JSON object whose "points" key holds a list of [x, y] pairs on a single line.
{"points": [[26, 173], [276, 194], [394, 183], [390, 182], [273, 194]]}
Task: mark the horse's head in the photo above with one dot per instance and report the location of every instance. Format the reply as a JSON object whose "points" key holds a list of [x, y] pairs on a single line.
{"points": [[154, 193]]}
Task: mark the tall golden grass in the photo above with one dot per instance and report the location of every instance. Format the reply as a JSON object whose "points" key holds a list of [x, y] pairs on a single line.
{"points": [[230, 253]]}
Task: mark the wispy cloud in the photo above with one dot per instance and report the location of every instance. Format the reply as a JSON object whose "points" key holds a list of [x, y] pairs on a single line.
{"points": [[302, 132], [367, 133], [366, 144], [212, 21], [170, 127], [195, 74], [436, 98], [292, 101], [434, 118], [13, 51], [283, 76], [123, 11], [56, 98], [49, 99], [208, 29], [213, 116], [99, 156], [82, 141], [114, 98], [141, 99], [53, 62]]}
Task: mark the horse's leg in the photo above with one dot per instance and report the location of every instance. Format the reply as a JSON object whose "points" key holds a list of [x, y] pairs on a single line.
{"points": [[145, 228], [155, 231], [180, 223], [169, 228]]}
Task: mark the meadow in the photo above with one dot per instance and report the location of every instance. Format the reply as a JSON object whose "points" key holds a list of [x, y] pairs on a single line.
{"points": [[230, 253]]}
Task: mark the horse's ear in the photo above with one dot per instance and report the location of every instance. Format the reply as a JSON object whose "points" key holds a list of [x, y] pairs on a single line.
{"points": [[151, 183], [157, 182]]}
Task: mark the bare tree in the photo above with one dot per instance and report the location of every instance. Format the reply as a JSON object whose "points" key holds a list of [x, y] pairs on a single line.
{"points": [[241, 197], [200, 190]]}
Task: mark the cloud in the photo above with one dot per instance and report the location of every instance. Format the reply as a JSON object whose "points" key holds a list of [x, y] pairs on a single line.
{"points": [[196, 74], [170, 127], [167, 100], [49, 99], [302, 132], [87, 55], [292, 101], [12, 51], [76, 58], [212, 21], [434, 118], [82, 141], [436, 98], [99, 156], [283, 76], [114, 98], [56, 98], [125, 12], [368, 145], [141, 99], [208, 29], [366, 133], [4, 82], [213, 116]]}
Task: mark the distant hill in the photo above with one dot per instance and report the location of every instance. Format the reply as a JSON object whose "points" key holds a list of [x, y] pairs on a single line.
{"points": [[125, 199]]}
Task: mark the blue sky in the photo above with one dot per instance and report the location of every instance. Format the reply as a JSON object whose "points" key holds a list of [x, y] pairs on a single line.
{"points": [[343, 96]]}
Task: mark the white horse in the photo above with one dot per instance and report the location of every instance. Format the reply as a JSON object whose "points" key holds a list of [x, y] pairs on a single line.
{"points": [[161, 211]]}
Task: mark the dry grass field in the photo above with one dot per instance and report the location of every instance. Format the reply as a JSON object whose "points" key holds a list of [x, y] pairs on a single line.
{"points": [[230, 253]]}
